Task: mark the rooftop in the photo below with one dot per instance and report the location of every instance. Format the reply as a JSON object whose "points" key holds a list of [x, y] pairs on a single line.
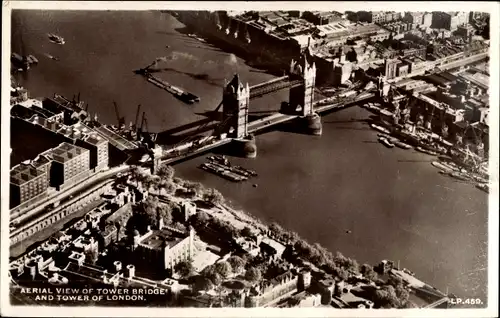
{"points": [[43, 111], [46, 123], [65, 152], [157, 238], [477, 78], [23, 173]]}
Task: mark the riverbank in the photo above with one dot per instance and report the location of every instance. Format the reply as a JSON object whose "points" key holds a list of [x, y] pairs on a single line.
{"points": [[451, 160]]}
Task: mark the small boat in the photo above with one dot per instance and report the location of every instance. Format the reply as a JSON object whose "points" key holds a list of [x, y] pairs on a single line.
{"points": [[441, 166], [32, 59], [55, 58], [459, 176], [167, 46], [380, 128], [54, 38], [385, 142], [219, 159], [382, 135], [429, 152], [401, 145], [483, 187]]}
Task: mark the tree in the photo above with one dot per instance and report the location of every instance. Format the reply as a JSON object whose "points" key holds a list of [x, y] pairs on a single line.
{"points": [[253, 275], [136, 174], [152, 211], [341, 273], [91, 256], [303, 249], [237, 263], [196, 187], [165, 172], [184, 268], [168, 186], [200, 219], [210, 273], [386, 297], [202, 283], [276, 229], [368, 272], [246, 231], [291, 236], [213, 196], [223, 269]]}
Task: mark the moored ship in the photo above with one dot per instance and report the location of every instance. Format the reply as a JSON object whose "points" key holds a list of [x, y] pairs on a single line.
{"points": [[54, 38], [174, 90], [222, 172], [385, 142]]}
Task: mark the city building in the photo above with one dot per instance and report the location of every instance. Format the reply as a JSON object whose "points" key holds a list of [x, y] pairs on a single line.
{"points": [[390, 68], [339, 32], [380, 16], [165, 247], [70, 164], [466, 31], [28, 111], [268, 292], [416, 17], [28, 181], [449, 20], [427, 19], [402, 70], [84, 136], [321, 17], [399, 28], [416, 64], [23, 133]]}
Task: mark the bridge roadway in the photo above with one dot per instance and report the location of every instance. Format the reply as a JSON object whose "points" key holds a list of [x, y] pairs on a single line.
{"points": [[187, 150]]}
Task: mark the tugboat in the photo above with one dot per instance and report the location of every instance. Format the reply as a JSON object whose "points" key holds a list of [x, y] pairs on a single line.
{"points": [[402, 145], [55, 58], [429, 152], [219, 159], [385, 142], [459, 176], [380, 128], [54, 38]]}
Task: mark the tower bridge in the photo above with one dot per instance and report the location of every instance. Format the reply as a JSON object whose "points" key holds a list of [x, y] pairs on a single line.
{"points": [[234, 125]]}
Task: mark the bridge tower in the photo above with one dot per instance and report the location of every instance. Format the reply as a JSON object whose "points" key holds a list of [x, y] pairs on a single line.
{"points": [[302, 97], [235, 103]]}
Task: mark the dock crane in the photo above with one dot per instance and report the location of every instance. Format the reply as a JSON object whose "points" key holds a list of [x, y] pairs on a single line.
{"points": [[121, 120], [137, 117]]}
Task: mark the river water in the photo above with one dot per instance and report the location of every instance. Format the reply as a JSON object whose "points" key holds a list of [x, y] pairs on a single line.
{"points": [[394, 203]]}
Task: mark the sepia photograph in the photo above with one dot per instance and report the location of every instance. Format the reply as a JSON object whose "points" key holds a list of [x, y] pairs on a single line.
{"points": [[248, 156]]}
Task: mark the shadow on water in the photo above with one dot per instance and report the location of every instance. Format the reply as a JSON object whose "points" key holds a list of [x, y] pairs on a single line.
{"points": [[415, 160], [251, 60], [346, 121], [206, 48], [352, 128], [175, 34], [295, 126], [198, 76]]}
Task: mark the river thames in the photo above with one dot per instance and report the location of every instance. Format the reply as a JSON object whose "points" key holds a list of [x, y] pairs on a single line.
{"points": [[343, 189]]}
